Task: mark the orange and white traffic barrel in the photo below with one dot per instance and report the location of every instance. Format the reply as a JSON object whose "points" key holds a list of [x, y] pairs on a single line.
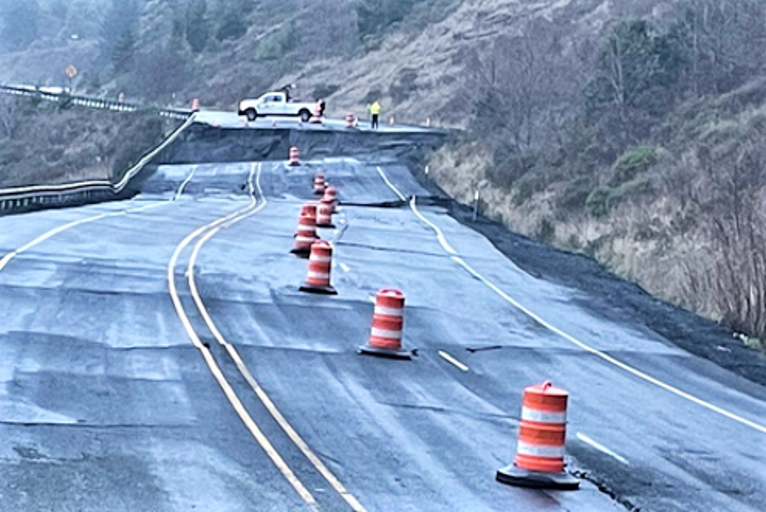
{"points": [[293, 158], [319, 183], [330, 196], [305, 236], [195, 104], [324, 215], [309, 208], [320, 263], [539, 458], [387, 326]]}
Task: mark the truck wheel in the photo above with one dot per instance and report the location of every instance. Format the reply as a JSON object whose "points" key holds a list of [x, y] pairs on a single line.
{"points": [[251, 114], [305, 115]]}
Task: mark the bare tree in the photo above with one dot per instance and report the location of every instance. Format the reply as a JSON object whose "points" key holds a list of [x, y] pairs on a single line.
{"points": [[517, 80], [723, 41], [10, 116], [729, 196]]}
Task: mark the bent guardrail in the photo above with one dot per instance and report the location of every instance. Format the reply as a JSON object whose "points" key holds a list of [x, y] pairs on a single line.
{"points": [[47, 94], [18, 199]]}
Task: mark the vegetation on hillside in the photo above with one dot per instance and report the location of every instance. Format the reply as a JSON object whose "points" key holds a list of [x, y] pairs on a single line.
{"points": [[625, 130], [43, 142], [639, 148]]}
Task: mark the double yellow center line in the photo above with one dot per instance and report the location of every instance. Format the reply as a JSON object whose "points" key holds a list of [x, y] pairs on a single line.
{"points": [[203, 235]]}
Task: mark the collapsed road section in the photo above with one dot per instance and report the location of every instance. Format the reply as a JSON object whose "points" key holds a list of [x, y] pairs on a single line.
{"points": [[160, 354]]}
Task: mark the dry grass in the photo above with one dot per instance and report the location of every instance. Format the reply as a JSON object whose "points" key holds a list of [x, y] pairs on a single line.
{"points": [[49, 145], [656, 240]]}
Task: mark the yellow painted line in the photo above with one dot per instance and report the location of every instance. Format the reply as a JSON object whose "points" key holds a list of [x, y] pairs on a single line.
{"points": [[606, 357], [452, 360], [299, 442], [231, 395]]}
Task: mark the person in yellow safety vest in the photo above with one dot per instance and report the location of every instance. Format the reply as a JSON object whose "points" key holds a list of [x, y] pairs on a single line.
{"points": [[374, 109]]}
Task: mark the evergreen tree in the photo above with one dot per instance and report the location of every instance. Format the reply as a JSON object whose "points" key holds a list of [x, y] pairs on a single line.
{"points": [[176, 41], [637, 68], [197, 30], [122, 16], [231, 26], [124, 51], [374, 16]]}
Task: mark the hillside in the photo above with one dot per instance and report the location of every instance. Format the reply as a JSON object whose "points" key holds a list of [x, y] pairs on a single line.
{"points": [[48, 143], [623, 129]]}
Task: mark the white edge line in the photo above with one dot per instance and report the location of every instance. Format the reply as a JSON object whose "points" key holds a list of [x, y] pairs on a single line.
{"points": [[185, 182], [600, 447], [119, 185], [572, 339], [60, 229], [391, 185], [453, 361]]}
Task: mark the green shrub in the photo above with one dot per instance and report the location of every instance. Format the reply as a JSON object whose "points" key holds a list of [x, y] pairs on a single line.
{"points": [[573, 242], [575, 196], [631, 163], [404, 85], [268, 49], [629, 190], [546, 232], [598, 201], [276, 45], [603, 199]]}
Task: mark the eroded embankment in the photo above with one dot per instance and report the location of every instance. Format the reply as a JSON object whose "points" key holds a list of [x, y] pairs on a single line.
{"points": [[207, 144]]}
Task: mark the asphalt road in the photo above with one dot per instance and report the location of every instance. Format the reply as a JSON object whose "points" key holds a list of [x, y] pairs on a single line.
{"points": [[224, 119], [110, 402]]}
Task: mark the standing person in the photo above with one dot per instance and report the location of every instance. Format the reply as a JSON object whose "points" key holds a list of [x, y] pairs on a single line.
{"points": [[286, 89], [375, 109]]}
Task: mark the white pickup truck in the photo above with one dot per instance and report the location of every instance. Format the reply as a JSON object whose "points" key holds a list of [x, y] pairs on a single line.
{"points": [[275, 104]]}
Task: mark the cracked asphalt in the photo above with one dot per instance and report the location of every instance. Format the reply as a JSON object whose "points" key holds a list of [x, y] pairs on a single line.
{"points": [[105, 404]]}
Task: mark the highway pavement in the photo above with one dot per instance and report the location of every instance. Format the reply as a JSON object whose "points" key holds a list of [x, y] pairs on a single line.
{"points": [[157, 355], [225, 119]]}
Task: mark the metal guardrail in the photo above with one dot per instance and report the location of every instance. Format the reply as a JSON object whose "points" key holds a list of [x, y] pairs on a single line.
{"points": [[45, 93], [36, 196]]}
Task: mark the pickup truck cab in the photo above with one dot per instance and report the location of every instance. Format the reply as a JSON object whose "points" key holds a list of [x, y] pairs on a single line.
{"points": [[274, 104]]}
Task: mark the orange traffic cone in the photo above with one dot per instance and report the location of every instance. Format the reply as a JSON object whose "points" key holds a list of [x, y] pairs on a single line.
{"points": [[350, 120], [293, 158], [309, 208], [324, 215], [542, 434], [319, 183], [306, 236], [330, 196], [320, 263], [387, 324]]}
